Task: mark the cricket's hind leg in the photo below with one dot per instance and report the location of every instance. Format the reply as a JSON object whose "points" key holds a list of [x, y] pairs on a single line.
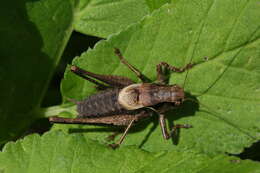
{"points": [[110, 80], [161, 77], [130, 119], [80, 72], [142, 77], [117, 120]]}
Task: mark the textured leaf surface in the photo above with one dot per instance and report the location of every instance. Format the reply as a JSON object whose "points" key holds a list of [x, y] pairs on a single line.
{"points": [[104, 17], [222, 39], [154, 4], [33, 35], [59, 152], [190, 161]]}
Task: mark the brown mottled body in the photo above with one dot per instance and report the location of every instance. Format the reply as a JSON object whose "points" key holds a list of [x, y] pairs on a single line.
{"points": [[142, 95], [123, 102], [128, 100], [103, 103], [152, 94]]}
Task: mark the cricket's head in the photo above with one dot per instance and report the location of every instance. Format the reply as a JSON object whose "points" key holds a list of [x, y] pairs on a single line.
{"points": [[176, 94], [137, 96]]}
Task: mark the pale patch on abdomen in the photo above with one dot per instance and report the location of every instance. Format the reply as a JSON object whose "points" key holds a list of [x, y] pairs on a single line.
{"points": [[129, 97]]}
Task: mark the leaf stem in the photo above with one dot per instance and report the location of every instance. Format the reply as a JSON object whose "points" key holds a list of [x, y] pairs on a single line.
{"points": [[56, 110]]}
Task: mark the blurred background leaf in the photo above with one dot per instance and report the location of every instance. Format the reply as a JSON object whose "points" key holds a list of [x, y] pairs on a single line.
{"points": [[33, 37]]}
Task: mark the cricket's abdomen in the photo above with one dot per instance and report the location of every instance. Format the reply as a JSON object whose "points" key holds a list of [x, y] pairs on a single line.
{"points": [[103, 103]]}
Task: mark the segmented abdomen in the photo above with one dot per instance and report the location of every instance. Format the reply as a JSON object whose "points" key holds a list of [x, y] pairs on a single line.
{"points": [[103, 103]]}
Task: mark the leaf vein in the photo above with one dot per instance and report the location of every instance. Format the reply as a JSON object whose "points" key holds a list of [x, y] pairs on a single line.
{"points": [[234, 25], [197, 40]]}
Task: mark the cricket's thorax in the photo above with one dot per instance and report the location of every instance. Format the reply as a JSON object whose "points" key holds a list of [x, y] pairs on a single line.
{"points": [[137, 96], [103, 103]]}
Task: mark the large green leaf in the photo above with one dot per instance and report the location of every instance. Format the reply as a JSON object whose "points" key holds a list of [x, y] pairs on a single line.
{"points": [[226, 81], [33, 36], [60, 152], [104, 17]]}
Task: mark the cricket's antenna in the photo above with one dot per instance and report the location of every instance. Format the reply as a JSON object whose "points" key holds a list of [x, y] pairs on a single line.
{"points": [[187, 67], [215, 114], [186, 74]]}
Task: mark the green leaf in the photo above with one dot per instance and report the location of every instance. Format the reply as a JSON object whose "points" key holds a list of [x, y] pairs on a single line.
{"points": [[60, 152], [153, 4], [33, 36], [191, 161], [226, 82], [104, 17]]}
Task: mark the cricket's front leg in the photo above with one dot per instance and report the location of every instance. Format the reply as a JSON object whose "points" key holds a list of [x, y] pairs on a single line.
{"points": [[165, 133], [161, 78], [164, 130]]}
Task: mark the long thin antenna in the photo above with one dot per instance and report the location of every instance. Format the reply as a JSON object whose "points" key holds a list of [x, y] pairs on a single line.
{"points": [[186, 74]]}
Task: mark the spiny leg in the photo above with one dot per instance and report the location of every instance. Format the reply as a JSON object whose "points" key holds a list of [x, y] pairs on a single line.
{"points": [[165, 133], [119, 142], [178, 126], [161, 78], [117, 120], [132, 68], [125, 122], [111, 80], [61, 120]]}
